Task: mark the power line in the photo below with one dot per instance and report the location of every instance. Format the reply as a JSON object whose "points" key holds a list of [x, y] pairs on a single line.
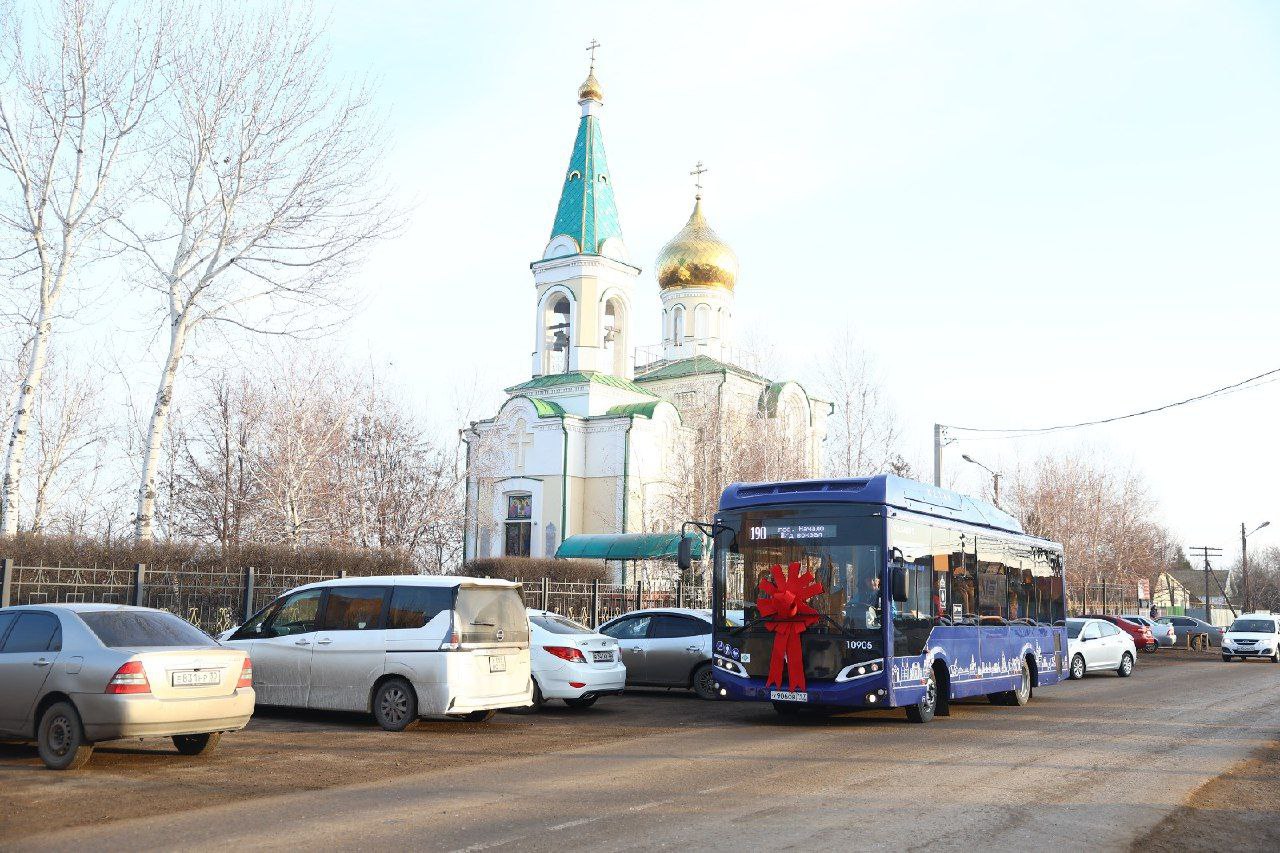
{"points": [[1224, 390]]}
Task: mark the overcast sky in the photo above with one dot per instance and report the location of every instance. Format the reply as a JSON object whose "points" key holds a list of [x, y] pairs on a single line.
{"points": [[1032, 213]]}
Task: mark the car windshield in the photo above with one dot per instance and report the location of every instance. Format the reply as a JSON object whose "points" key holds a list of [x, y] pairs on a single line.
{"points": [[558, 624], [1073, 627], [135, 628], [1252, 626], [491, 615]]}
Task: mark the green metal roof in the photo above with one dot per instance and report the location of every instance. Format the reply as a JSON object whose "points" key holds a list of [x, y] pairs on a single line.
{"points": [[587, 211], [642, 409], [626, 546], [694, 366], [546, 408], [579, 377]]}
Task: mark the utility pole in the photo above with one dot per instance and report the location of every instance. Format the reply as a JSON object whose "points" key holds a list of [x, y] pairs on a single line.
{"points": [[1205, 552], [1244, 560], [938, 430]]}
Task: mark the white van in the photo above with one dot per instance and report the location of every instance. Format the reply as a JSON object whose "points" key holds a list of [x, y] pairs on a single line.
{"points": [[1253, 635], [399, 647]]}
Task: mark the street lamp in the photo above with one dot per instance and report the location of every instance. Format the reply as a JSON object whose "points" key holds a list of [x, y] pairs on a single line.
{"points": [[995, 476], [1244, 560]]}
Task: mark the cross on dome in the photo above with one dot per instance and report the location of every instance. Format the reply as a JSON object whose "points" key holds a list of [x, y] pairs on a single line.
{"points": [[698, 171], [591, 49]]}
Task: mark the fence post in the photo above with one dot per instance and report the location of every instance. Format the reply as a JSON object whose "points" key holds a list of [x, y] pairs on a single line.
{"points": [[139, 583], [639, 594], [546, 593], [248, 594], [680, 593], [6, 582], [595, 603], [342, 573]]}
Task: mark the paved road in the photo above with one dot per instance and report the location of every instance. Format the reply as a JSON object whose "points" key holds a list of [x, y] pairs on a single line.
{"points": [[1089, 764]]}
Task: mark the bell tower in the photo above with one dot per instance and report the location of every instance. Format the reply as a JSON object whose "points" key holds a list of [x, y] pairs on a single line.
{"points": [[584, 280]]}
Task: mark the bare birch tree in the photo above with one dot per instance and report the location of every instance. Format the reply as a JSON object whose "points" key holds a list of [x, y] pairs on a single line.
{"points": [[265, 187], [72, 97], [70, 434]]}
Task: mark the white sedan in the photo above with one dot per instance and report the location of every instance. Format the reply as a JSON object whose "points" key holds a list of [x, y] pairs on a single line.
{"points": [[1096, 645], [572, 662]]}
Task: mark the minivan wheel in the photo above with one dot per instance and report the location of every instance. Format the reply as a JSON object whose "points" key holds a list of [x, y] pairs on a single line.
{"points": [[197, 744], [395, 705], [704, 682], [1126, 666], [60, 738], [1077, 667]]}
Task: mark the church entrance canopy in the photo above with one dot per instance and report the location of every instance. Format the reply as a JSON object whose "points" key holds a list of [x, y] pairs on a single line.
{"points": [[626, 546]]}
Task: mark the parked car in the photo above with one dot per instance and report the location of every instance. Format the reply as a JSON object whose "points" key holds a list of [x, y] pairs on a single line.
{"points": [[72, 675], [1141, 634], [666, 647], [572, 662], [400, 647], [1253, 635], [1184, 625], [1095, 645], [1162, 632]]}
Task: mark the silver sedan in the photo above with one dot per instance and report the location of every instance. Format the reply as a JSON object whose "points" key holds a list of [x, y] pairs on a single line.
{"points": [[76, 674]]}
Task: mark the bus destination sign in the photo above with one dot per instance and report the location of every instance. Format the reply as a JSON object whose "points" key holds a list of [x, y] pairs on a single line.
{"points": [[793, 532]]}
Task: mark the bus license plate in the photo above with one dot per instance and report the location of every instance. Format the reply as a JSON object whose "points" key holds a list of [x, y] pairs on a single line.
{"points": [[788, 696], [196, 678], [497, 664]]}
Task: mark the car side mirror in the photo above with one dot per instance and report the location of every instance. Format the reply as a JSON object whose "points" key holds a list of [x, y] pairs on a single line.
{"points": [[901, 585], [684, 554]]}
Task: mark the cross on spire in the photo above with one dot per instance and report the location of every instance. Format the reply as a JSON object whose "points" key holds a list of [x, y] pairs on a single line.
{"points": [[591, 49], [697, 173]]}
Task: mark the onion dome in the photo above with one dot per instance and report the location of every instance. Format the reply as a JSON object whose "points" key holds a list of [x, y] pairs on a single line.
{"points": [[696, 257], [590, 89]]}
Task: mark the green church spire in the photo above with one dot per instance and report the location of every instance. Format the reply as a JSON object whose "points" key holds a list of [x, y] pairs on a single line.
{"points": [[587, 211]]}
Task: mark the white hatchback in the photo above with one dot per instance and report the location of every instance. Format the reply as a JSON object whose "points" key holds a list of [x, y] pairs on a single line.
{"points": [[1095, 644], [1253, 635], [399, 647], [572, 662]]}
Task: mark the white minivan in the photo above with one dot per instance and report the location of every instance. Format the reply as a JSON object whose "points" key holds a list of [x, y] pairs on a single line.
{"points": [[400, 647]]}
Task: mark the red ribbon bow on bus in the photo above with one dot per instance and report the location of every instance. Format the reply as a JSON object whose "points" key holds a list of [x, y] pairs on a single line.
{"points": [[788, 615]]}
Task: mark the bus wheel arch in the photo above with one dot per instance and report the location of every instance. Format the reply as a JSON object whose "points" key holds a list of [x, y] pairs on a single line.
{"points": [[1035, 670], [942, 677]]}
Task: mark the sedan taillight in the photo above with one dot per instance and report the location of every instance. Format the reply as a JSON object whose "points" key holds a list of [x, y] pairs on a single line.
{"points": [[130, 678], [246, 674], [566, 653]]}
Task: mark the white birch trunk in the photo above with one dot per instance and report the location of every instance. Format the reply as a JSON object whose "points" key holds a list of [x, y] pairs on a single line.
{"points": [[144, 520], [19, 431]]}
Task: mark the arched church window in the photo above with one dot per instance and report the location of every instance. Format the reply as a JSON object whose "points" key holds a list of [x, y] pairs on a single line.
{"points": [[702, 322], [574, 175], [557, 325], [519, 525], [604, 179], [614, 336], [677, 324]]}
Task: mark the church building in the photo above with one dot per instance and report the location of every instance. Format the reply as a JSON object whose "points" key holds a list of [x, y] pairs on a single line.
{"points": [[605, 436]]}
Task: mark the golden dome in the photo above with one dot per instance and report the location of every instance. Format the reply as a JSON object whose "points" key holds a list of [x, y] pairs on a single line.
{"points": [[697, 257], [590, 88]]}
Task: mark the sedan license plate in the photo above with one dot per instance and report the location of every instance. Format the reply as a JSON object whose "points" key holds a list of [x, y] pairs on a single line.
{"points": [[788, 696], [497, 664], [196, 677], [602, 657]]}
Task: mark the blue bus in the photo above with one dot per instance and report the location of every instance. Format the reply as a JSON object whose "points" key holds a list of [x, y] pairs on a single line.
{"points": [[880, 592]]}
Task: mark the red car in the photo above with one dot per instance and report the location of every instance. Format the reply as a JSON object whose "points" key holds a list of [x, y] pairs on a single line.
{"points": [[1141, 634]]}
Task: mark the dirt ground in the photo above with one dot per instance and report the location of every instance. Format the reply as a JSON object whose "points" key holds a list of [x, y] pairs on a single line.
{"points": [[284, 752], [1238, 811]]}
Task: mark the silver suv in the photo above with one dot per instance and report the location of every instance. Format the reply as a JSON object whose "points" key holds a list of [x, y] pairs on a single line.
{"points": [[666, 647]]}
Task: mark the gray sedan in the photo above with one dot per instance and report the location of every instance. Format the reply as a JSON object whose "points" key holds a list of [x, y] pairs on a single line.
{"points": [[1162, 631], [75, 674], [1184, 625], [667, 647]]}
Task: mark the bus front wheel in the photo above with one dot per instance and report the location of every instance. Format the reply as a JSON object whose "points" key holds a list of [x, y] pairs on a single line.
{"points": [[923, 711]]}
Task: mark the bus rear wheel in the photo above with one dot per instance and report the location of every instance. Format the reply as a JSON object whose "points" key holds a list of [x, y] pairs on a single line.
{"points": [[923, 711]]}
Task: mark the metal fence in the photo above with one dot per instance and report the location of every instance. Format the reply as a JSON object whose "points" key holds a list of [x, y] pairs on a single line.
{"points": [[217, 599], [1108, 599]]}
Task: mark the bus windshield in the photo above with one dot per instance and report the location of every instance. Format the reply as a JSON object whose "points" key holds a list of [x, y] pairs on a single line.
{"points": [[841, 546]]}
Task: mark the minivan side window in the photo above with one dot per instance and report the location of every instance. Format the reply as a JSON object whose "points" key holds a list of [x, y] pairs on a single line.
{"points": [[415, 606], [678, 626], [354, 608], [298, 614], [34, 632], [254, 628]]}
